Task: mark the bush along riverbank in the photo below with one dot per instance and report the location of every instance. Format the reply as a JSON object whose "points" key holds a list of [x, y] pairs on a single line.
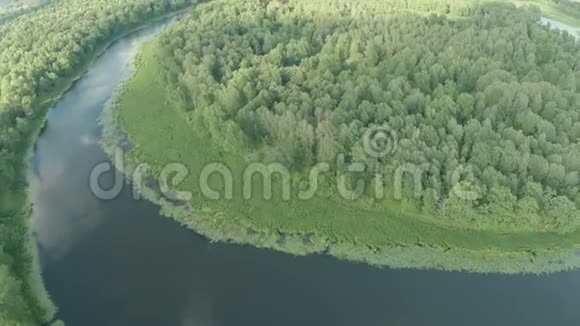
{"points": [[158, 121], [30, 85]]}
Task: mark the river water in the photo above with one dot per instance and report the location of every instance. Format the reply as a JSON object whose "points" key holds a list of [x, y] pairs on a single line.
{"points": [[119, 263], [554, 24]]}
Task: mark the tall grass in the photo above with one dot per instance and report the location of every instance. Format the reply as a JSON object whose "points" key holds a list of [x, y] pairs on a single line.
{"points": [[396, 236]]}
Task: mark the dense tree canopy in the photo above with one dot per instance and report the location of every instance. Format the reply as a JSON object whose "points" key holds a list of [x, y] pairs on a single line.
{"points": [[487, 89], [41, 52]]}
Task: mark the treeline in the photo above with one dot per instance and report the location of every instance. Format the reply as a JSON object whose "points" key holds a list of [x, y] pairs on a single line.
{"points": [[11, 8], [493, 92], [40, 54], [568, 7]]}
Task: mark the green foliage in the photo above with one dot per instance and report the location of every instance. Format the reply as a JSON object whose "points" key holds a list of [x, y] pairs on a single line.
{"points": [[567, 11], [42, 52], [303, 81], [13, 8], [12, 306], [291, 82]]}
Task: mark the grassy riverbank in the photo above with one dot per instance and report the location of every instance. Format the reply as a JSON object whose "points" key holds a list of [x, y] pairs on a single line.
{"points": [[12, 9], [567, 12], [390, 236]]}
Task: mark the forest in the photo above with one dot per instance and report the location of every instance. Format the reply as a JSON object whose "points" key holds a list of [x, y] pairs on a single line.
{"points": [[464, 85], [36, 67], [496, 92], [478, 89]]}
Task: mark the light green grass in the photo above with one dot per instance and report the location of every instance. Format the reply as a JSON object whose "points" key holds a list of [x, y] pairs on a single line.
{"points": [[396, 235], [551, 10]]}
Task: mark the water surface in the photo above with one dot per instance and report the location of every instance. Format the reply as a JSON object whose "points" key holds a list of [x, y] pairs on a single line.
{"points": [[119, 263], [574, 31]]}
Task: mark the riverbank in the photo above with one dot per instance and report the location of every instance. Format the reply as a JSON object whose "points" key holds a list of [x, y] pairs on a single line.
{"points": [[25, 263], [399, 240], [13, 12], [554, 10]]}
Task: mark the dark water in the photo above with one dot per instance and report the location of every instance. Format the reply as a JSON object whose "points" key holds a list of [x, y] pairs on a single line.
{"points": [[119, 263]]}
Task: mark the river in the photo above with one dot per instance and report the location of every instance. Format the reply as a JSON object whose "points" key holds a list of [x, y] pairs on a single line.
{"points": [[119, 263], [574, 31]]}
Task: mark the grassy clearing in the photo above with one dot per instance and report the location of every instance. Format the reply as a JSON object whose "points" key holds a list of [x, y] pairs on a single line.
{"points": [[553, 10], [396, 236]]}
